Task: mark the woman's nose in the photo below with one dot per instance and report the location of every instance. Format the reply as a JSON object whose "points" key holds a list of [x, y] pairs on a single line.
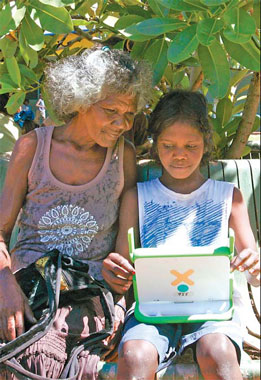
{"points": [[123, 122]]}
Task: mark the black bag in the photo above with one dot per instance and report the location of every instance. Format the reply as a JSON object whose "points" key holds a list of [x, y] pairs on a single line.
{"points": [[54, 280]]}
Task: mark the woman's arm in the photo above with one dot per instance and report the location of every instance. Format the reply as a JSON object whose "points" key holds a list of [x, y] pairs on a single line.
{"points": [[117, 270], [247, 259], [12, 301]]}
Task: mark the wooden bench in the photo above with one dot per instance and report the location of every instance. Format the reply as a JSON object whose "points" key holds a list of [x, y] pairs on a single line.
{"points": [[245, 174]]}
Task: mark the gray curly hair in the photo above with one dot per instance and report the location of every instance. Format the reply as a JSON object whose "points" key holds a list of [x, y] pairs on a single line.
{"points": [[77, 82]]}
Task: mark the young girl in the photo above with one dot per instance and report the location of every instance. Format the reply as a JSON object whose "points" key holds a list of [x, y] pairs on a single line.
{"points": [[182, 208]]}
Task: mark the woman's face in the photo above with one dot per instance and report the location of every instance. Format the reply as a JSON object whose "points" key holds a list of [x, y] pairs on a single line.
{"points": [[107, 119], [180, 148]]}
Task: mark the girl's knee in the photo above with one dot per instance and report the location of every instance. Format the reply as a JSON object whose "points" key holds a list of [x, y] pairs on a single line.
{"points": [[216, 347]]}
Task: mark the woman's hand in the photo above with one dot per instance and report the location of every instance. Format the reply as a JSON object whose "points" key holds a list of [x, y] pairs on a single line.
{"points": [[248, 260], [117, 272], [13, 307]]}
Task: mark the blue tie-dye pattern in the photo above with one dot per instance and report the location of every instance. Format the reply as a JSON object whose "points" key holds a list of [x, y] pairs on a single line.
{"points": [[202, 221]]}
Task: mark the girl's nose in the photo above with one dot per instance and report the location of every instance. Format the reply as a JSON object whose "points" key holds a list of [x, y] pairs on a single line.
{"points": [[179, 152]]}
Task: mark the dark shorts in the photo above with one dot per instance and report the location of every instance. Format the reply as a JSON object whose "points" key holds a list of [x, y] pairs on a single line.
{"points": [[172, 339]]}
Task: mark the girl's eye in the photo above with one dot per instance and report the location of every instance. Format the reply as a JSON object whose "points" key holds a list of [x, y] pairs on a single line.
{"points": [[168, 146], [191, 146]]}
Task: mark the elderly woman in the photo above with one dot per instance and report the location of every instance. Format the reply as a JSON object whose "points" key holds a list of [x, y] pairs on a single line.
{"points": [[65, 183]]}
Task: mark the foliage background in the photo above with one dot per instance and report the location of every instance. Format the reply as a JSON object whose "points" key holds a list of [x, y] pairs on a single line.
{"points": [[207, 45]]}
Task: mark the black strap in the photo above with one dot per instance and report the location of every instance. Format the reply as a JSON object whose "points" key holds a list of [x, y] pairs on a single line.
{"points": [[53, 269]]}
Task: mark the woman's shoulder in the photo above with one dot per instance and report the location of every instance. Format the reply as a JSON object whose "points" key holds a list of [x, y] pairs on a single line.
{"points": [[24, 149]]}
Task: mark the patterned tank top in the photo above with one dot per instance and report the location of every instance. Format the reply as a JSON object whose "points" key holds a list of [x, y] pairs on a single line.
{"points": [[200, 218], [79, 220]]}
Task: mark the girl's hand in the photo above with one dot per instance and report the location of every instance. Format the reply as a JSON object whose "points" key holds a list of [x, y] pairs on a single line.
{"points": [[117, 272], [248, 260]]}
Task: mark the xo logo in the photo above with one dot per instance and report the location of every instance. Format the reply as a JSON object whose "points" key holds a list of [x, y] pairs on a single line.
{"points": [[182, 280]]}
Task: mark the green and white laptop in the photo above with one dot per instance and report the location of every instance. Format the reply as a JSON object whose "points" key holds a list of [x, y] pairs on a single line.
{"points": [[181, 287]]}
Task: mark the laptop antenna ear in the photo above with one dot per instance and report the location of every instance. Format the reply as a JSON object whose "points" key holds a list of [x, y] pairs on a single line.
{"points": [[131, 242], [231, 235]]}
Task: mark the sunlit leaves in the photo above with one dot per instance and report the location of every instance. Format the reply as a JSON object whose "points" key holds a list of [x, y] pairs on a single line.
{"points": [[10, 18], [53, 19], [33, 34]]}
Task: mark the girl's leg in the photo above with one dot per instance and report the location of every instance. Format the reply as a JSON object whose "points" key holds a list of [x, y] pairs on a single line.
{"points": [[138, 359], [217, 358]]}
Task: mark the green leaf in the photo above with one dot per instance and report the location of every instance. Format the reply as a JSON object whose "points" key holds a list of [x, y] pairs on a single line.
{"points": [[215, 68], [7, 85], [56, 3], [56, 20], [183, 45], [224, 111], [14, 102], [28, 73], [158, 25], [29, 55], [138, 11], [8, 47], [13, 70], [256, 124], [132, 33], [231, 127], [156, 54], [256, 13], [246, 151], [10, 18], [207, 28], [181, 5], [139, 48], [246, 54], [211, 3], [190, 62], [9, 133], [126, 21], [240, 26], [158, 9], [32, 33], [237, 77]]}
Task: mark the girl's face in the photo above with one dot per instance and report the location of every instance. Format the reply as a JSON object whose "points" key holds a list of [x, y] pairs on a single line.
{"points": [[180, 148]]}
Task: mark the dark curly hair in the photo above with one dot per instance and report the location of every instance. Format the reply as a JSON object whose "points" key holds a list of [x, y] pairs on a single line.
{"points": [[188, 107]]}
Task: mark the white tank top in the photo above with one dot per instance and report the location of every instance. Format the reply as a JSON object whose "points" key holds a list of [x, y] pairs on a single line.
{"points": [[172, 219]]}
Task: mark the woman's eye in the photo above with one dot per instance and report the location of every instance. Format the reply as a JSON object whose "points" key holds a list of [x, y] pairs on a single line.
{"points": [[191, 146], [168, 146], [130, 115], [109, 110]]}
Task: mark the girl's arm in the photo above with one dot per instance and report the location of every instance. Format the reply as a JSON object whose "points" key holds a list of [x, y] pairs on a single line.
{"points": [[248, 258], [117, 270], [12, 302]]}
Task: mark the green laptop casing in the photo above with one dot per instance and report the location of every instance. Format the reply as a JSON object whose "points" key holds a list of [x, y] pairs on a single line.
{"points": [[142, 253]]}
